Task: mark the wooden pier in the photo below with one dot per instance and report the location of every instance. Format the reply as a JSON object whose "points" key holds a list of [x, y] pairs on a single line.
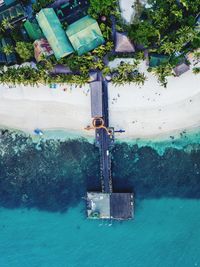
{"points": [[106, 204]]}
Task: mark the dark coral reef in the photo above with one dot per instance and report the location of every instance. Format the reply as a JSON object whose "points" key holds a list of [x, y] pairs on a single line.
{"points": [[54, 175]]}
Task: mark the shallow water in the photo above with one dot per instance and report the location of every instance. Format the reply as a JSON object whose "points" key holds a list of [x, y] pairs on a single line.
{"points": [[50, 177]]}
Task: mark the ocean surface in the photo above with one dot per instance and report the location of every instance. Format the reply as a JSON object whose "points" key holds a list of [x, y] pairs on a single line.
{"points": [[42, 210]]}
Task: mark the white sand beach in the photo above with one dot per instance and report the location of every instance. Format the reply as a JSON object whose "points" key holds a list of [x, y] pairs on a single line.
{"points": [[149, 111], [28, 108], [127, 9]]}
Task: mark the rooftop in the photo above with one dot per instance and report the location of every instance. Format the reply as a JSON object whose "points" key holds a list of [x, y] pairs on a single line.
{"points": [[117, 206], [54, 33], [123, 44], [85, 35]]}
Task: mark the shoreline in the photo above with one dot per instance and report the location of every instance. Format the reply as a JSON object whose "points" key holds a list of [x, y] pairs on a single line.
{"points": [[149, 112], [188, 140]]}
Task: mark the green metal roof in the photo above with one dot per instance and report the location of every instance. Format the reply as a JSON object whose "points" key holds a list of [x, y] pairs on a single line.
{"points": [[85, 35], [33, 30], [54, 32]]}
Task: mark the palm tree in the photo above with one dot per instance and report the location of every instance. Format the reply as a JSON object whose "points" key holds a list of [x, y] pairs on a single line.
{"points": [[162, 72], [196, 70], [139, 79], [8, 49], [5, 24]]}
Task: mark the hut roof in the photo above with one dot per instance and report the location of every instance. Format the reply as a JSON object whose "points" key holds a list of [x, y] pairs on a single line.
{"points": [[123, 44], [181, 68], [117, 206], [85, 35], [42, 48], [61, 69], [54, 32], [121, 206]]}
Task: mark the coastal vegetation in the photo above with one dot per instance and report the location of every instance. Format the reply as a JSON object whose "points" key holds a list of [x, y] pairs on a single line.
{"points": [[24, 50], [125, 73], [166, 27], [34, 76], [39, 4], [102, 8], [161, 27]]}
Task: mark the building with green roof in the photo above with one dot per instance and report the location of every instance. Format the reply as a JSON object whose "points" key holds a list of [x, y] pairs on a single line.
{"points": [[33, 30], [85, 35], [54, 33]]}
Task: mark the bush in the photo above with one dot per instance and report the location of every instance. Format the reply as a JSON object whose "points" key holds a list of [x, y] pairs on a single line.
{"points": [[24, 50], [103, 7]]}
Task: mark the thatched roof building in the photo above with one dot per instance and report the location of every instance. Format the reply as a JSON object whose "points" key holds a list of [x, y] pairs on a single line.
{"points": [[123, 44], [181, 68]]}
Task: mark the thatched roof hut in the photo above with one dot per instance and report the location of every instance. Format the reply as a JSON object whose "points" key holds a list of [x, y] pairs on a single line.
{"points": [[181, 68], [123, 44]]}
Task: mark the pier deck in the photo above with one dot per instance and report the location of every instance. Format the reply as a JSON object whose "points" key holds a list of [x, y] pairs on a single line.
{"points": [[105, 204]]}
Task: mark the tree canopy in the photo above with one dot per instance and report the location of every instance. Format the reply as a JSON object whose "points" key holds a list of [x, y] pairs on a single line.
{"points": [[167, 25]]}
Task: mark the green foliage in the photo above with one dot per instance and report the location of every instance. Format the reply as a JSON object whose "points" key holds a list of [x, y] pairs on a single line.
{"points": [[5, 25], [8, 49], [89, 61], [162, 72], [31, 76], [24, 50], [196, 70], [39, 4], [106, 30], [103, 7], [197, 56], [167, 26], [181, 37], [16, 34], [125, 73], [144, 33], [102, 50]]}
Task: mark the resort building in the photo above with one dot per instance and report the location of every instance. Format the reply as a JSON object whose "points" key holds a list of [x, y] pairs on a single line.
{"points": [[54, 33], [42, 49], [123, 44], [85, 35], [33, 30], [118, 206], [181, 68]]}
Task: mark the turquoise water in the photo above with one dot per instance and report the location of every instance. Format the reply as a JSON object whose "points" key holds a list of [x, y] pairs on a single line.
{"points": [[165, 233], [42, 211]]}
